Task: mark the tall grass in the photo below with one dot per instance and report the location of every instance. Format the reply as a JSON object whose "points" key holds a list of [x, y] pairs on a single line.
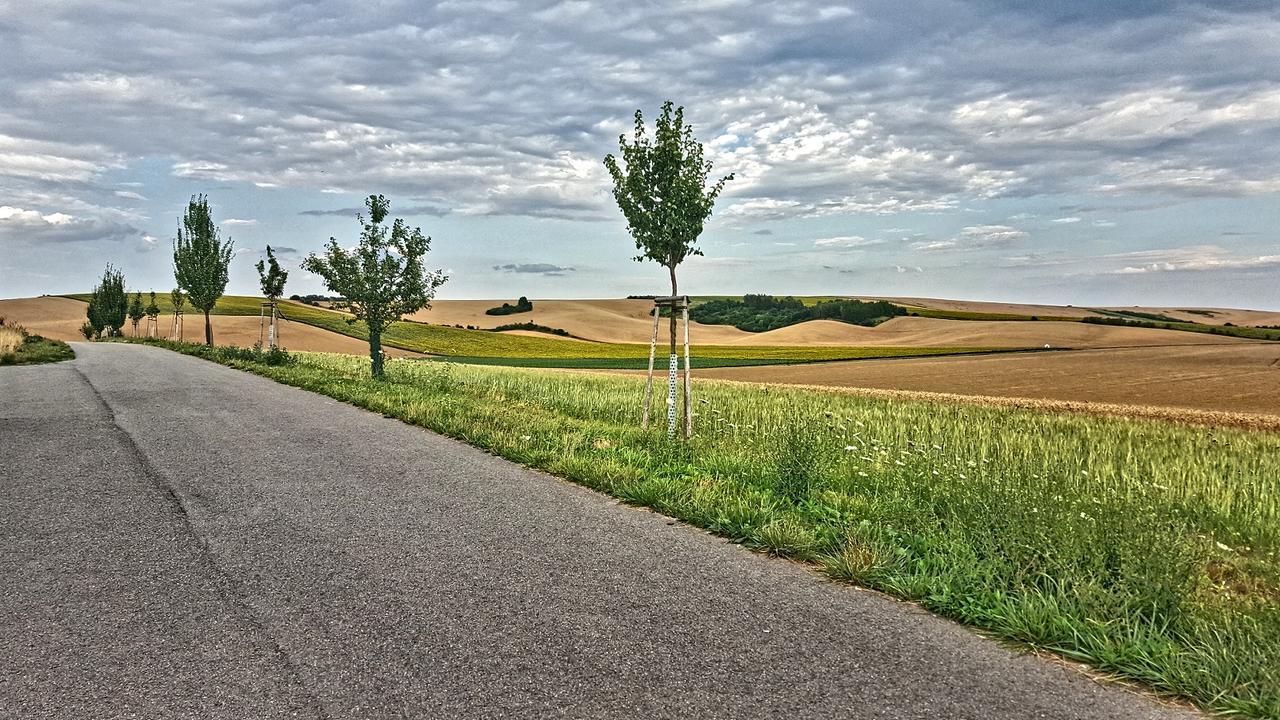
{"points": [[10, 339], [18, 347], [1149, 550]]}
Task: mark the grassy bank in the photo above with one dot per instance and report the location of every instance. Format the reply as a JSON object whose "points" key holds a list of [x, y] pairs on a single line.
{"points": [[1147, 549], [18, 347]]}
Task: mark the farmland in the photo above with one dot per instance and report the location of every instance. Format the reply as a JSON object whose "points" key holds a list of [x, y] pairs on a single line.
{"points": [[1032, 525], [491, 347]]}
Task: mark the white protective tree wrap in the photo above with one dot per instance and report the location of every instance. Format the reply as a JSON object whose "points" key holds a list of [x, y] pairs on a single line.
{"points": [[672, 369]]}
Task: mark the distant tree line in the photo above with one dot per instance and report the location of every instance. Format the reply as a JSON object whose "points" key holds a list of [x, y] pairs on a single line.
{"points": [[522, 306], [535, 327], [759, 313], [315, 300]]}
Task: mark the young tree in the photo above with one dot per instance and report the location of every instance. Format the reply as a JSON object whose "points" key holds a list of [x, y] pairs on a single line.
{"points": [[271, 277], [153, 311], [662, 192], [110, 303], [383, 278], [201, 259], [136, 312], [177, 300]]}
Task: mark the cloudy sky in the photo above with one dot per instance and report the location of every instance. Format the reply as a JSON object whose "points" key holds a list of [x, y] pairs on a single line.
{"points": [[1081, 152]]}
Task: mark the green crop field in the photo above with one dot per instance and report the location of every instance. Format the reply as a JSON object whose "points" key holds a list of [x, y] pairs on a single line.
{"points": [[1148, 549]]}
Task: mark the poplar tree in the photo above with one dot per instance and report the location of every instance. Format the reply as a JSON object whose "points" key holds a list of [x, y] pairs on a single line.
{"points": [[201, 260], [383, 278], [153, 311], [136, 312]]}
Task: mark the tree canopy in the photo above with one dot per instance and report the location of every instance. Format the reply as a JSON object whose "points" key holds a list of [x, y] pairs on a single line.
{"points": [[271, 277], [201, 259], [109, 304], [383, 278], [661, 188]]}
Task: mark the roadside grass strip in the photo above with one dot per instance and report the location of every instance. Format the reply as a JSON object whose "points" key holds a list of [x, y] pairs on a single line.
{"points": [[1146, 549], [17, 347]]}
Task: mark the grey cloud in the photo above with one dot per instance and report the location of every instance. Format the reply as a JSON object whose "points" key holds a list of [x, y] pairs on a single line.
{"points": [[491, 111]]}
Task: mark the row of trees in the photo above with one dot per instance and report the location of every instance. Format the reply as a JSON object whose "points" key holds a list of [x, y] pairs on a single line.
{"points": [[110, 306], [659, 185]]}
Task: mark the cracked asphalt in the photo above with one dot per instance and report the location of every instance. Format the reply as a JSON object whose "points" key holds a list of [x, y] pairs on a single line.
{"points": [[183, 540]]}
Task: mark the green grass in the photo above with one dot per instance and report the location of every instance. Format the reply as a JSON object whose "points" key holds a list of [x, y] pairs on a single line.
{"points": [[1149, 550], [35, 349]]}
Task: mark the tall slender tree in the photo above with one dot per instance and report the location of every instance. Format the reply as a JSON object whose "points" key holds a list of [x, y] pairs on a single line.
{"points": [[153, 312], [383, 278], [136, 312], [661, 188], [201, 260], [177, 300], [272, 279]]}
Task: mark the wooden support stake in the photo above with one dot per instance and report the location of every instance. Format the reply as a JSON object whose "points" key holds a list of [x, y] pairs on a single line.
{"points": [[648, 387]]}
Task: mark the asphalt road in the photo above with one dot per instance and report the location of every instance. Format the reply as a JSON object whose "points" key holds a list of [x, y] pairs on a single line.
{"points": [[178, 539]]}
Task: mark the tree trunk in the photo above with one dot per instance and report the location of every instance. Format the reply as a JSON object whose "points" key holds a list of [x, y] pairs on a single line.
{"points": [[672, 268], [208, 330], [375, 351]]}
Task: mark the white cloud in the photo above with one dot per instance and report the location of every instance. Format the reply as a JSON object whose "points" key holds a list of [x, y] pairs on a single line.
{"points": [[846, 241], [1065, 220]]}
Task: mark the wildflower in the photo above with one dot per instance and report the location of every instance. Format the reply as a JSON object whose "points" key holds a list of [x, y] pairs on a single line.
{"points": [[526, 438], [849, 448], [861, 474]]}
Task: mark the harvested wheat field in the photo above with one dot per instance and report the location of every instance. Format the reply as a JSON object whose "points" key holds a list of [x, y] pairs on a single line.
{"points": [[60, 319], [1203, 315], [1237, 377], [614, 321], [932, 332], [628, 321]]}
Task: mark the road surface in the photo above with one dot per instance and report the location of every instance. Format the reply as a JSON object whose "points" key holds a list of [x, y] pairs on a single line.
{"points": [[179, 539]]}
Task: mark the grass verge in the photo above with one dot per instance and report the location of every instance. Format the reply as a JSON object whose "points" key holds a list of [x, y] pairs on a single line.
{"points": [[18, 347], [1147, 549]]}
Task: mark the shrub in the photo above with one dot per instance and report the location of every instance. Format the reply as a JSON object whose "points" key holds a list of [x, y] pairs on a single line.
{"points": [[522, 305]]}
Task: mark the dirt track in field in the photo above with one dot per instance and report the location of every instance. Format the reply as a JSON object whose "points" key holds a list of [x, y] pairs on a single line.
{"points": [[1228, 378]]}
